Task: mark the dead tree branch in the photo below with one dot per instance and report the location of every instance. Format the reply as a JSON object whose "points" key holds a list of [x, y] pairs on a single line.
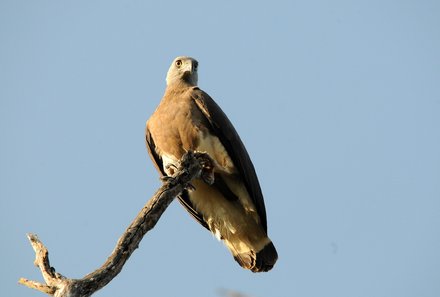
{"points": [[57, 285]]}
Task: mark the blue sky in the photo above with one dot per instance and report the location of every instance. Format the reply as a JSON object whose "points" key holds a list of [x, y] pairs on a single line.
{"points": [[338, 103]]}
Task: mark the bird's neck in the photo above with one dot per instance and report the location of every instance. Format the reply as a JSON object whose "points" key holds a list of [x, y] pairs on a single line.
{"points": [[180, 83]]}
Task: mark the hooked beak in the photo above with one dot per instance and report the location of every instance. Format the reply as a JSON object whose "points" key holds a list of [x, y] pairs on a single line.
{"points": [[188, 68], [193, 66]]}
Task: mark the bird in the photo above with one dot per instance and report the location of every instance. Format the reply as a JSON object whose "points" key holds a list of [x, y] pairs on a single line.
{"points": [[231, 204]]}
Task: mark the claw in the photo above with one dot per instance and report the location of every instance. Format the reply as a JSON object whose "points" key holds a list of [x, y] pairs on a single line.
{"points": [[171, 169], [207, 173], [208, 176]]}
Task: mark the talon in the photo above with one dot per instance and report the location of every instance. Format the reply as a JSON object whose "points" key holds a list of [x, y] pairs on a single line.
{"points": [[171, 169], [208, 177], [207, 173]]}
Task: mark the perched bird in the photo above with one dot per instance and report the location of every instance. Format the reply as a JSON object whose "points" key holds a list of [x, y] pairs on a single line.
{"points": [[231, 206]]}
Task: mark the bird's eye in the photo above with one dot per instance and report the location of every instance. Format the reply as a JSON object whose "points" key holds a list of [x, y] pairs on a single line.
{"points": [[179, 63], [196, 65]]}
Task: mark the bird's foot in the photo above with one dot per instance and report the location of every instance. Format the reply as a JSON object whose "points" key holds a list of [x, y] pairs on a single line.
{"points": [[208, 176], [171, 169], [207, 173]]}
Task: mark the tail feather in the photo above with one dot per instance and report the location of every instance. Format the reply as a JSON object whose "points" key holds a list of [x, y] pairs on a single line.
{"points": [[260, 261]]}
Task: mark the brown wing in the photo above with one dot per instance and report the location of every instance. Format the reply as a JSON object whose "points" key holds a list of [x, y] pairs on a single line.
{"points": [[158, 163], [225, 131]]}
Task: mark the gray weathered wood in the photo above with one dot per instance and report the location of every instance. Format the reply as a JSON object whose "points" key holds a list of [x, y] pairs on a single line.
{"points": [[57, 285]]}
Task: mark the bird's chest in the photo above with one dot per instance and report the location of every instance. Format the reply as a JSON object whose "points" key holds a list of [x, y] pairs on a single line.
{"points": [[175, 128]]}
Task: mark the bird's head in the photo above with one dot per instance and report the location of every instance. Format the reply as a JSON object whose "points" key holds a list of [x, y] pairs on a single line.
{"points": [[183, 69]]}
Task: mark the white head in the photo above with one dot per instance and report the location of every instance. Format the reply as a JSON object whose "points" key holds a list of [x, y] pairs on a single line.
{"points": [[183, 69]]}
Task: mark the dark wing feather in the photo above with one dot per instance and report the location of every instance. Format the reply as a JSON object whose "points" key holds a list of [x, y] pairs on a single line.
{"points": [[184, 200], [158, 163], [151, 147], [225, 131]]}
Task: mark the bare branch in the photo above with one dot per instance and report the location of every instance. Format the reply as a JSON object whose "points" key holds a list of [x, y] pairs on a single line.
{"points": [[37, 286], [191, 166]]}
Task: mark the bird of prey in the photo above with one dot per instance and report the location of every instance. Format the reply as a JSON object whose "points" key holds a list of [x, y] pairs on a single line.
{"points": [[232, 206]]}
